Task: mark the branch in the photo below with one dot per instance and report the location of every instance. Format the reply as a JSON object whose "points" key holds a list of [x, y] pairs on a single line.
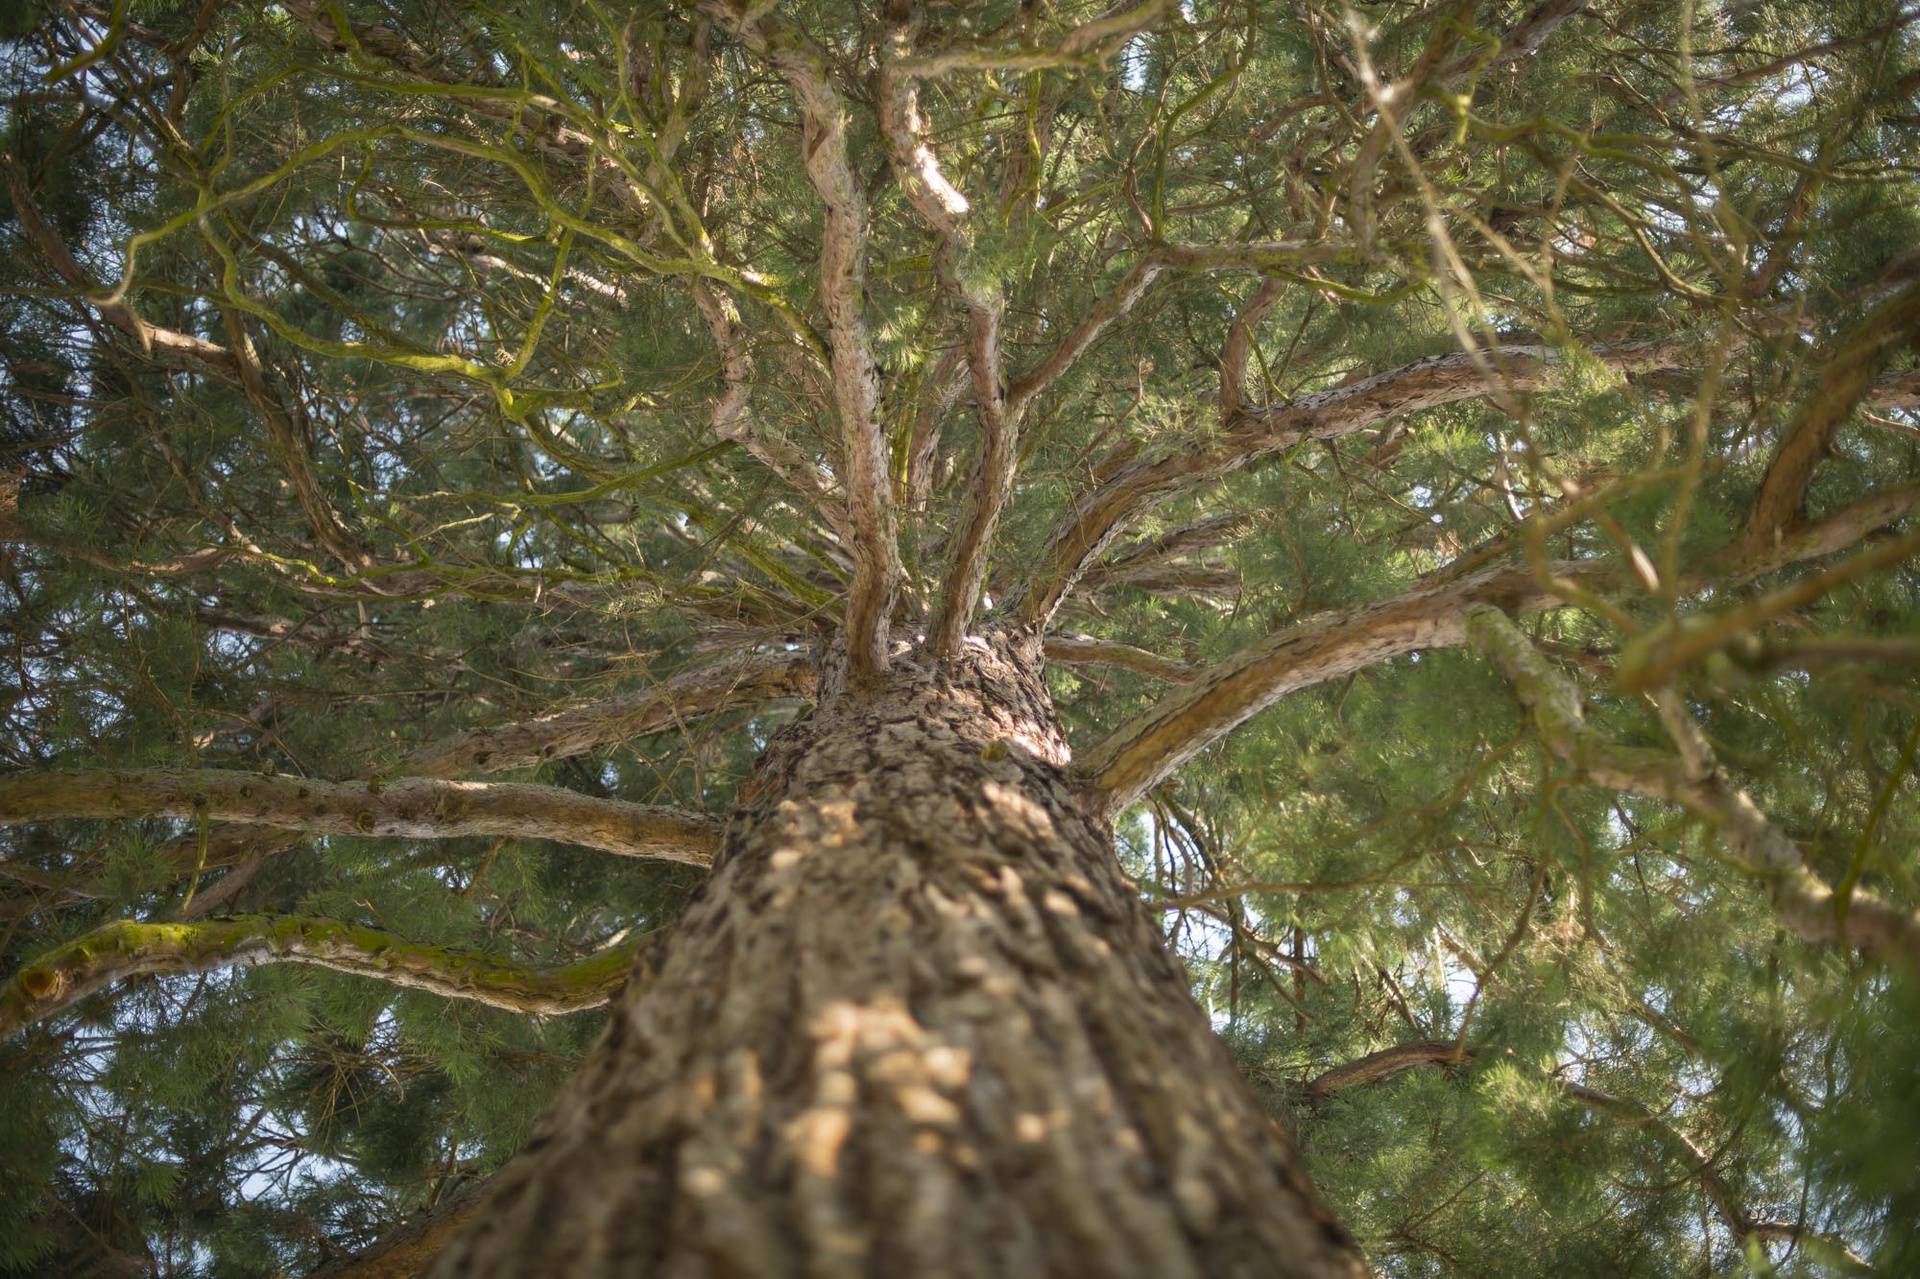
{"points": [[1250, 434], [1895, 391], [203, 560], [873, 539], [1147, 750], [410, 1247], [416, 808], [286, 437], [1519, 42], [1275, 255], [946, 211], [406, 1251], [729, 414], [1387, 1063], [1846, 378], [154, 340], [1726, 1205], [239, 360], [1085, 46], [1087, 650], [704, 690], [1233, 360], [1130, 562], [90, 963], [1804, 903], [541, 123], [1651, 659]]}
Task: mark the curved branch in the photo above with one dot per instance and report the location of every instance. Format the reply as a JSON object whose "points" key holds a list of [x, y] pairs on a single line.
{"points": [[704, 690], [152, 338], [1143, 558], [1147, 750], [729, 416], [1112, 306], [872, 536], [1652, 659], [69, 973], [417, 808], [1086, 45], [1387, 1063], [239, 360], [1846, 378], [1216, 701], [1726, 1205]]}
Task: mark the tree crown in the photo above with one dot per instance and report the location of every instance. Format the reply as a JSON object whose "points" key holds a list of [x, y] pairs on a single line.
{"points": [[1459, 460]]}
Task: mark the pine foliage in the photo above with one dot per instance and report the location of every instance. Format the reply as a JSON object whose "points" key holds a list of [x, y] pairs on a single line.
{"points": [[466, 246]]}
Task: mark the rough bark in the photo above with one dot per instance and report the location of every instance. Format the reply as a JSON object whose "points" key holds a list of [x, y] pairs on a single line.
{"points": [[414, 807], [409, 1249], [94, 961], [918, 1022]]}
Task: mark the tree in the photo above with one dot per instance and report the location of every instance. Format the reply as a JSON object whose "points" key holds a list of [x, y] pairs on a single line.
{"points": [[857, 539]]}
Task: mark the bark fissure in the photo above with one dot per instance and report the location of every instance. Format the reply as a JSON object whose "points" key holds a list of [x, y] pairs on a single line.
{"points": [[918, 1022]]}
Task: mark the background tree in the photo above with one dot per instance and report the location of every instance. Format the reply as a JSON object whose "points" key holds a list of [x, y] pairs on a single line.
{"points": [[1453, 467]]}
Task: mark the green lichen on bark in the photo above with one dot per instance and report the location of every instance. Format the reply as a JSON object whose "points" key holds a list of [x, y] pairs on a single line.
{"points": [[126, 948]]}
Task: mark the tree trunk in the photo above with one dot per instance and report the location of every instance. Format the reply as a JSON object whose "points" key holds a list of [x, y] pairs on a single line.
{"points": [[918, 1023]]}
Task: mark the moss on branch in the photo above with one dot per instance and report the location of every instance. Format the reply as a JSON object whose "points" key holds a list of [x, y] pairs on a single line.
{"points": [[90, 963]]}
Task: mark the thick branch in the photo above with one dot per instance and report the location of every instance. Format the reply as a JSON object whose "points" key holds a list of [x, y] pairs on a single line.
{"points": [[704, 690], [408, 1249], [1233, 360], [1519, 42], [1086, 45], [872, 539], [1387, 1063], [944, 209], [1895, 391], [69, 973], [1146, 751], [417, 808], [1846, 378], [1215, 702], [1130, 563]]}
